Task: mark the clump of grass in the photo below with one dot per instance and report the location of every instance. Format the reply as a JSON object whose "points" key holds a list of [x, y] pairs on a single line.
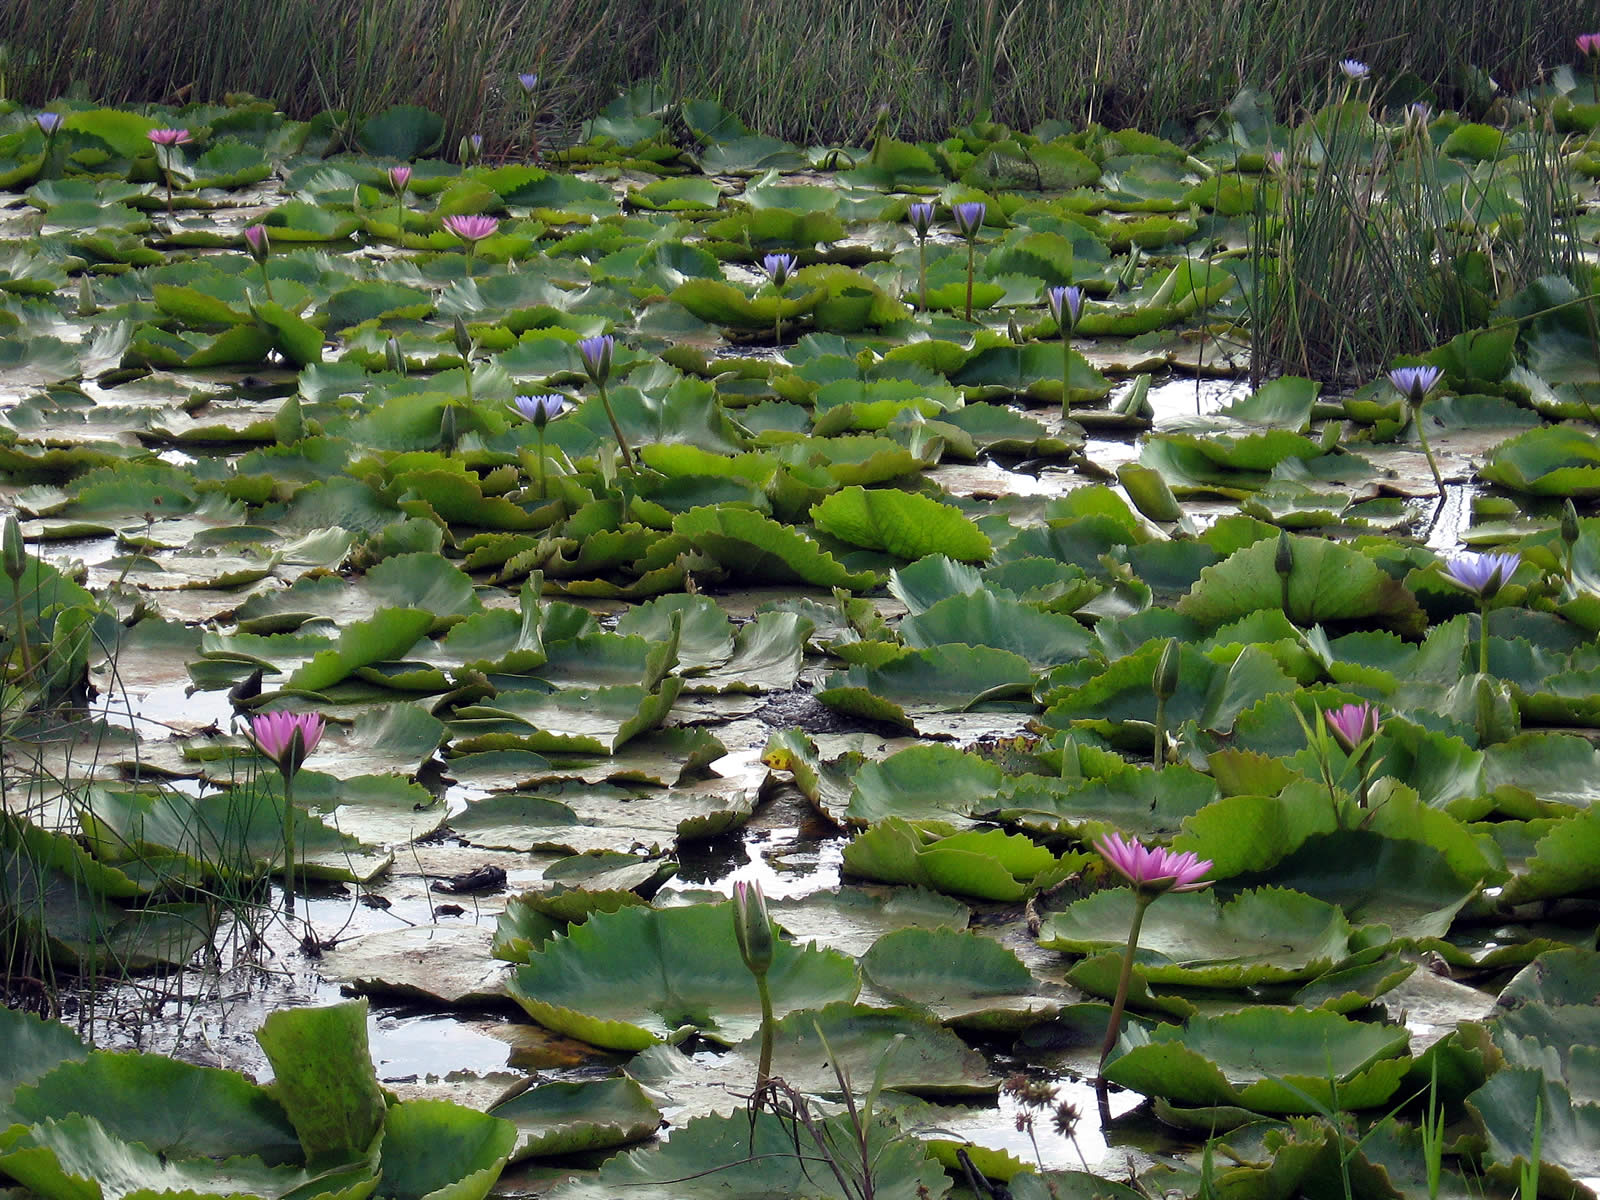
{"points": [[808, 70]]}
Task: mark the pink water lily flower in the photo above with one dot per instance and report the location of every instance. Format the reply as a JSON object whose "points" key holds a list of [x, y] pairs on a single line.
{"points": [[170, 137], [471, 228], [1589, 43], [275, 735], [1352, 724], [399, 177], [1153, 868]]}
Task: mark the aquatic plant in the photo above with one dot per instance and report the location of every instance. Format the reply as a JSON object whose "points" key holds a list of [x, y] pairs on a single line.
{"points": [[1152, 871], [540, 411], [399, 181], [778, 267], [287, 739], [471, 229], [920, 215], [753, 929], [596, 355], [1066, 306], [1483, 575], [968, 216], [166, 142], [260, 246], [1414, 383]]}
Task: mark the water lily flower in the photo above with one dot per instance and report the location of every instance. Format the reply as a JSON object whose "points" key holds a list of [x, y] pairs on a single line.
{"points": [[1352, 724], [752, 927], [255, 238], [170, 137], [1275, 160], [541, 410], [778, 267], [1415, 382], [1153, 869], [529, 81], [399, 179], [1068, 300], [596, 354], [48, 122], [471, 228], [287, 738], [921, 218], [1589, 44], [1482, 574], [1354, 69], [969, 218], [1419, 113]]}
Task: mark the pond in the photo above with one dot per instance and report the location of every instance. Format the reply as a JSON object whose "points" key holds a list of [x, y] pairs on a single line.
{"points": [[694, 529]]}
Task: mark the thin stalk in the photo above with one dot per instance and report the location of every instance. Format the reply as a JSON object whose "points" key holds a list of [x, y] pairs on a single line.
{"points": [[972, 250], [543, 494], [288, 844], [1427, 451], [1483, 637], [1141, 901], [622, 442], [922, 274], [1158, 752], [1066, 371], [764, 1065]]}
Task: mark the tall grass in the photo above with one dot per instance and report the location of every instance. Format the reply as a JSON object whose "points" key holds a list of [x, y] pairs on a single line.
{"points": [[805, 70]]}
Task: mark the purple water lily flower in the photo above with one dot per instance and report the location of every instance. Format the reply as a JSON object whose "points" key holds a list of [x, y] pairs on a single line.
{"points": [[1482, 574], [1352, 724], [969, 218], [596, 354], [541, 410], [1068, 300], [471, 228], [1354, 69], [529, 81], [1414, 383], [778, 268], [255, 238], [921, 217], [48, 122], [1153, 868]]}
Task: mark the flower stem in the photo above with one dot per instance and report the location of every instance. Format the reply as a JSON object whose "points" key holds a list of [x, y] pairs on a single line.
{"points": [[764, 1066], [622, 442], [1422, 436], [922, 275], [288, 842], [1141, 901], [543, 493], [1483, 637], [265, 281], [1066, 371], [1158, 753], [972, 250]]}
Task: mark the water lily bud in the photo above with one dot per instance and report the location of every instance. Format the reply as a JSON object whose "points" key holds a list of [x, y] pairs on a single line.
{"points": [[1014, 331], [1569, 523], [447, 427], [752, 927], [86, 302], [463, 338], [393, 357], [1283, 560], [1166, 679], [256, 242], [16, 558]]}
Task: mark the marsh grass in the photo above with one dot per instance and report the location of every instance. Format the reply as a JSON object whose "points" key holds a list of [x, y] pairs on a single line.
{"points": [[1368, 243], [804, 70]]}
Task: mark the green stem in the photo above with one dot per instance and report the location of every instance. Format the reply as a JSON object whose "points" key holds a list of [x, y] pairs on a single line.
{"points": [[972, 250], [543, 494], [1422, 436], [471, 246], [922, 275], [466, 370], [1066, 370], [764, 1066], [777, 321], [1361, 774], [622, 442], [288, 843], [1141, 901], [266, 282], [1483, 637], [1158, 753], [22, 634]]}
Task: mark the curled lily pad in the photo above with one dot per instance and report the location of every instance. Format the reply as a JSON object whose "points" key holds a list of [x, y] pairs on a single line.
{"points": [[1270, 935], [632, 978], [989, 865], [965, 979], [1265, 1059], [565, 1118]]}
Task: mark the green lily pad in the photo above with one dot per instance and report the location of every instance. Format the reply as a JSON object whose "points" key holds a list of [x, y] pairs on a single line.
{"points": [[566, 1118], [635, 977], [964, 979]]}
